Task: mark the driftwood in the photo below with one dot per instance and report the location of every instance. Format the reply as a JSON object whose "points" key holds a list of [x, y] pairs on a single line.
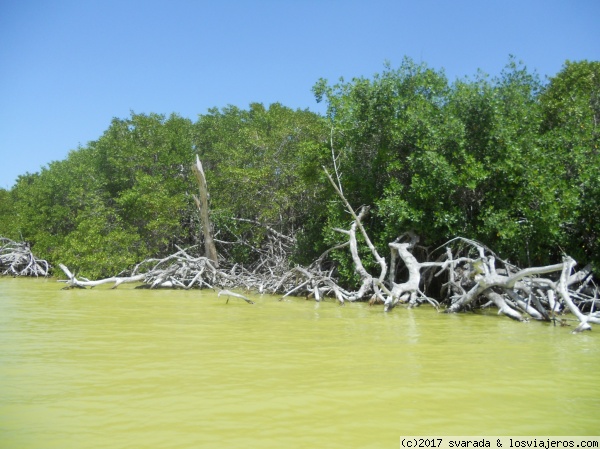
{"points": [[16, 259], [542, 293], [184, 270], [235, 295], [460, 275], [474, 274], [117, 280], [475, 278]]}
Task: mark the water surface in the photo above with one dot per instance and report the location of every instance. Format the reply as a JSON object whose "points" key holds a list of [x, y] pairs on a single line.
{"points": [[130, 368]]}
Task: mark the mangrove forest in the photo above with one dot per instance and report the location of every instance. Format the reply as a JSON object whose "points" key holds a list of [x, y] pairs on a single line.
{"points": [[409, 189]]}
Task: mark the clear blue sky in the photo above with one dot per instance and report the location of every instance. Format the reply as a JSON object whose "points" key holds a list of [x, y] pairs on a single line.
{"points": [[67, 67]]}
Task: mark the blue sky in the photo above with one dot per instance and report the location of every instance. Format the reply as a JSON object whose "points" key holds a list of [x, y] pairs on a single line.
{"points": [[68, 67]]}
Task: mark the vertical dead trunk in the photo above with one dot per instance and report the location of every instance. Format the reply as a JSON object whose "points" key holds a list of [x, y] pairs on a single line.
{"points": [[202, 204]]}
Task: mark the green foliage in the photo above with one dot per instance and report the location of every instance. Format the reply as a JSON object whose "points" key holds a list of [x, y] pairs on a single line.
{"points": [[261, 164], [144, 163], [128, 195], [7, 215], [571, 138], [510, 161], [47, 204], [118, 200], [504, 160], [101, 245]]}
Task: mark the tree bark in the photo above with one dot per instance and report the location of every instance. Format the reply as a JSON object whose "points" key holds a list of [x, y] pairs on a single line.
{"points": [[202, 204], [16, 259], [117, 280]]}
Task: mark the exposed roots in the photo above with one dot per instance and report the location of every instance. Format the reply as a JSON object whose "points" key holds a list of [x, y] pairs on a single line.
{"points": [[471, 276], [16, 259], [462, 274]]}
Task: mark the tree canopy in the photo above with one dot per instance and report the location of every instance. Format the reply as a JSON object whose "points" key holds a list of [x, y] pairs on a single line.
{"points": [[511, 161]]}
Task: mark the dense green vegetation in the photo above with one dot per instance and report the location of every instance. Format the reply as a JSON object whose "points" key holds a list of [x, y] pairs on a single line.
{"points": [[512, 161]]}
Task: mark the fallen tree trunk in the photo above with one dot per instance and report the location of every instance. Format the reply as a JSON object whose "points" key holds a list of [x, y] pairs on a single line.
{"points": [[72, 281], [179, 270]]}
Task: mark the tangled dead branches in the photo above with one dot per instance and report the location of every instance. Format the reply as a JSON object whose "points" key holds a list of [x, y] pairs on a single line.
{"points": [[16, 259], [184, 270], [471, 276]]}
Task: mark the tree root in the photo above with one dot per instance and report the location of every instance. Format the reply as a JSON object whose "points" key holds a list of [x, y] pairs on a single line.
{"points": [[16, 259], [475, 277], [472, 273]]}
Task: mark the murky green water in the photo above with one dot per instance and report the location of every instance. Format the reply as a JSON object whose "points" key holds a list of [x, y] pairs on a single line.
{"points": [[174, 369]]}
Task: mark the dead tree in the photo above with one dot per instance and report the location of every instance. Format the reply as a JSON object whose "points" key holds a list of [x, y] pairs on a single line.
{"points": [[542, 293], [16, 259], [202, 204], [179, 270], [73, 282], [375, 287], [474, 277]]}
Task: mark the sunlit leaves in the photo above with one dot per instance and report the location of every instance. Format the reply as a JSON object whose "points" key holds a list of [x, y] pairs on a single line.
{"points": [[260, 163], [495, 159], [506, 160]]}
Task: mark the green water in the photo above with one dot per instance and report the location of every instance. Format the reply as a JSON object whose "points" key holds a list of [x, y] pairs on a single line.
{"points": [[132, 368]]}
